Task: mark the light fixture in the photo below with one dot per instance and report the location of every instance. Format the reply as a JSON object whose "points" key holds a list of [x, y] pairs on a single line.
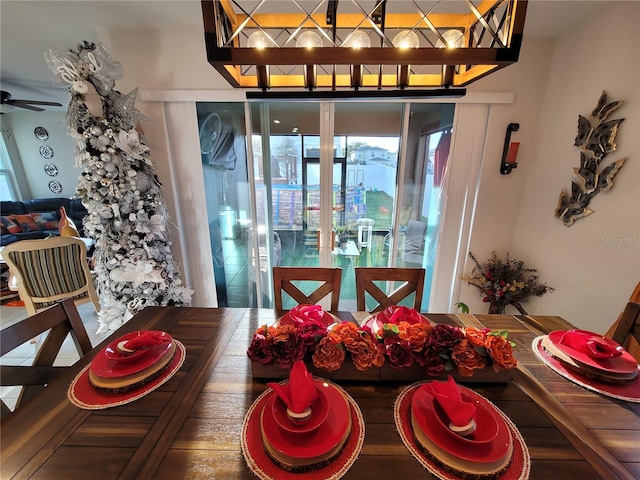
{"points": [[403, 40], [390, 45], [309, 39]]}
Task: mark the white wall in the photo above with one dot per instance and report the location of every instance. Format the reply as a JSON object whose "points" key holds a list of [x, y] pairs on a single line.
{"points": [[594, 264], [22, 125]]}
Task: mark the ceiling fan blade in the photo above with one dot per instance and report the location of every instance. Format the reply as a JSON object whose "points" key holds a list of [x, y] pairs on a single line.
{"points": [[27, 104], [35, 102], [21, 104]]}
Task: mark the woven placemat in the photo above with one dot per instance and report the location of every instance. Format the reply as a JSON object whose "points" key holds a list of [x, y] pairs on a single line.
{"points": [[263, 467], [518, 469], [629, 391], [84, 396]]}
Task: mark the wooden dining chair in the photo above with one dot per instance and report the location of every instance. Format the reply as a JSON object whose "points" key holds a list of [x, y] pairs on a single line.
{"points": [[307, 278], [626, 329], [61, 319], [411, 281], [51, 270]]}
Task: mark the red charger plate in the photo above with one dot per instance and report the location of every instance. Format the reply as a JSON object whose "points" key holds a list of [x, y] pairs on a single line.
{"points": [[319, 413], [106, 367], [624, 364], [423, 409], [317, 442], [327, 319], [374, 324]]}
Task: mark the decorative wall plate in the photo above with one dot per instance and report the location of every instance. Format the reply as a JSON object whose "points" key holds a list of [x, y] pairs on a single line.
{"points": [[46, 151], [41, 133], [55, 187], [50, 169]]}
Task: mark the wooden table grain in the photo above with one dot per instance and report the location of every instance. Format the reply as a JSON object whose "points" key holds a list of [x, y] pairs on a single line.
{"points": [[190, 427]]}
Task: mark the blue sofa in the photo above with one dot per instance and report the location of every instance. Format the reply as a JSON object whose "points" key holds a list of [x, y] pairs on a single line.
{"points": [[50, 210]]}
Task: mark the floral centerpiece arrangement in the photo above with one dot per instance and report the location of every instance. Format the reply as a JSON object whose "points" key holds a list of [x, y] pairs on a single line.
{"points": [[406, 339], [503, 282]]}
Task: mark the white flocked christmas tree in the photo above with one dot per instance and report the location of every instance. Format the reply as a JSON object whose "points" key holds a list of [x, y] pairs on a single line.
{"points": [[127, 217]]}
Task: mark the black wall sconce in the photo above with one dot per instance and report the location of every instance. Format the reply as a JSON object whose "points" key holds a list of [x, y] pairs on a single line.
{"points": [[510, 151]]}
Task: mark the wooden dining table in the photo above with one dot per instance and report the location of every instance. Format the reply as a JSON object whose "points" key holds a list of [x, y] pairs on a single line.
{"points": [[190, 427]]}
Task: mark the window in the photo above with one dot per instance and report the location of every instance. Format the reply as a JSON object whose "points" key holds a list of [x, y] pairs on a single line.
{"points": [[7, 188]]}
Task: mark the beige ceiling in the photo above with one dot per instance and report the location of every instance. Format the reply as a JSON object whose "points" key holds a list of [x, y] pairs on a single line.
{"points": [[29, 28]]}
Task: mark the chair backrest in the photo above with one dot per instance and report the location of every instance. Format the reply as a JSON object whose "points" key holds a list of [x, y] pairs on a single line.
{"points": [[51, 270], [61, 319], [329, 278], [412, 281], [626, 330]]}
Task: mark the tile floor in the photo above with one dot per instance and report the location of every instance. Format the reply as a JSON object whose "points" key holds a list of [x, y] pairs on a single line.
{"points": [[239, 279], [25, 354]]}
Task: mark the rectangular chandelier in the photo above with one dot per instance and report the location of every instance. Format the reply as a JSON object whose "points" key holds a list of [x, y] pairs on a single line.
{"points": [[360, 44]]}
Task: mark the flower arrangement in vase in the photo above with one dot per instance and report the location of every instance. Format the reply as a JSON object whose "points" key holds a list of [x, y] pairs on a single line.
{"points": [[503, 282]]}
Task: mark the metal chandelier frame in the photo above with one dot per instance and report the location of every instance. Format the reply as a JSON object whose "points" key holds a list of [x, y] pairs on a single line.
{"points": [[487, 36]]}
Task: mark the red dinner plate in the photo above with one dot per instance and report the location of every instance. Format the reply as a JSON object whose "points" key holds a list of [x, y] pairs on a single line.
{"points": [[103, 366], [319, 413], [624, 364], [422, 407], [317, 442]]}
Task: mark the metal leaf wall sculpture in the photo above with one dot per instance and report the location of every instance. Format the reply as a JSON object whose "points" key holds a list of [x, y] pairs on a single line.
{"points": [[595, 139]]}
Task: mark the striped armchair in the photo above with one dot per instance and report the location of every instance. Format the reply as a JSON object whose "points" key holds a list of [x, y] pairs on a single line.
{"points": [[51, 270]]}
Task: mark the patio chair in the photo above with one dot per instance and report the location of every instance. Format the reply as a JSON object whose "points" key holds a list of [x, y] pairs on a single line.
{"points": [[412, 282], [365, 232], [61, 319], [414, 242], [51, 270], [329, 278]]}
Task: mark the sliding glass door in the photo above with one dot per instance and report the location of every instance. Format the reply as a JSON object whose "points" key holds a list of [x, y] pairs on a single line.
{"points": [[320, 184]]}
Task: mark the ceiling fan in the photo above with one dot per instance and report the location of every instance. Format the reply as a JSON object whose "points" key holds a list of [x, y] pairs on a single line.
{"points": [[28, 104]]}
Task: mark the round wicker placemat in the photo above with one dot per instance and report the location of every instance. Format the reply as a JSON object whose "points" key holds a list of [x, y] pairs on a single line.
{"points": [[629, 391], [263, 467], [84, 396], [518, 469]]}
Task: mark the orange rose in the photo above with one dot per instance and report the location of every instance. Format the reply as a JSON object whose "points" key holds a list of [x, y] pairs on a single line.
{"points": [[329, 354], [415, 334], [346, 330], [500, 352], [466, 358], [364, 352], [282, 332], [475, 336]]}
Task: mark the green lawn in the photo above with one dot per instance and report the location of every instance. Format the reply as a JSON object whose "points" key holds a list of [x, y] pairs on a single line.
{"points": [[379, 208]]}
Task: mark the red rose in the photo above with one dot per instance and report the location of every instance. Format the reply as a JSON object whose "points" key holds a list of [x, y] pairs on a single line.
{"points": [[259, 350], [286, 346], [310, 333], [398, 352], [444, 337]]}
